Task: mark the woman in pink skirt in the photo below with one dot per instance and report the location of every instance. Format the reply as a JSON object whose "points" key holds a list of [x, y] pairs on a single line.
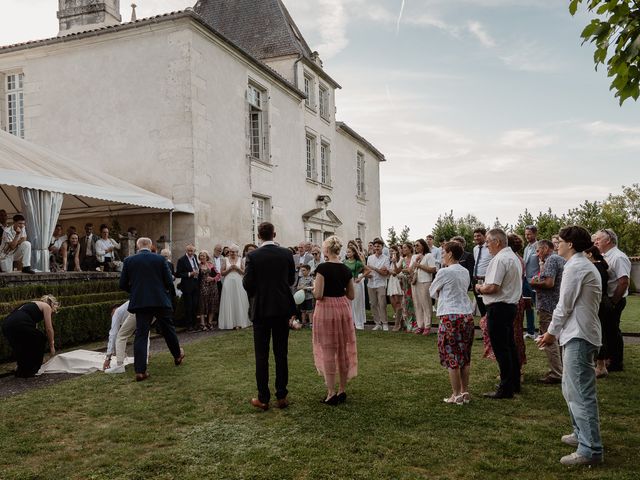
{"points": [[334, 335]]}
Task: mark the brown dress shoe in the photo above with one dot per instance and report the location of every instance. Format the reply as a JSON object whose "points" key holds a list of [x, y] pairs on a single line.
{"points": [[142, 376], [178, 361], [282, 402], [258, 404]]}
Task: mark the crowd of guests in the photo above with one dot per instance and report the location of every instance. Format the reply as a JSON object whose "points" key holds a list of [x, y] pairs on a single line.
{"points": [[577, 284]]}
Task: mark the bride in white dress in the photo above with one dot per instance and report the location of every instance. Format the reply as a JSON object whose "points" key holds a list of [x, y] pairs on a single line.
{"points": [[234, 303]]}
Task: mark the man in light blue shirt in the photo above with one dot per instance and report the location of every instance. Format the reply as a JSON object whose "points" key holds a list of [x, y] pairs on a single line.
{"points": [[531, 268]]}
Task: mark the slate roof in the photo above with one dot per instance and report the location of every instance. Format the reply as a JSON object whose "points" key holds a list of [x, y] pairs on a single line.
{"points": [[262, 27], [90, 32]]}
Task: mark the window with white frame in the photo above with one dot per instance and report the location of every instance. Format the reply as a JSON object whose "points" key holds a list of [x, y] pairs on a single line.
{"points": [[362, 228], [325, 163], [311, 157], [360, 175], [259, 214], [324, 102], [309, 90], [258, 123], [15, 104]]}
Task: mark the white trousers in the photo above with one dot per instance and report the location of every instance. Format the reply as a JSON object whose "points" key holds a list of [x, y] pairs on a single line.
{"points": [[422, 304], [21, 254]]}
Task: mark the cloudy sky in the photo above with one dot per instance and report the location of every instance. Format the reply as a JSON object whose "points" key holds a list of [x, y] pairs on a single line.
{"points": [[481, 106]]}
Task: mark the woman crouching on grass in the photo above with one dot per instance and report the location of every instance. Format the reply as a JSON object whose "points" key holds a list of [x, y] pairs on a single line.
{"points": [[455, 313], [334, 335]]}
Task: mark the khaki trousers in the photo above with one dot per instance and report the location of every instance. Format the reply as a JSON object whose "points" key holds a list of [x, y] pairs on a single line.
{"points": [[554, 358], [378, 300], [422, 304], [127, 329]]}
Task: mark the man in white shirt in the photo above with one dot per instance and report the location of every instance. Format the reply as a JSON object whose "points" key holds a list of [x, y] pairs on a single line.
{"points": [[377, 272], [481, 258], [435, 251], [501, 292], [15, 247], [617, 291], [575, 323]]}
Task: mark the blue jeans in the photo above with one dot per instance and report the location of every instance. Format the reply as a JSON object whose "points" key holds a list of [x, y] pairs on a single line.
{"points": [[579, 390]]}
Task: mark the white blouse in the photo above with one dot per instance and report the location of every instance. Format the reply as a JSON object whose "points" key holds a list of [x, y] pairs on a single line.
{"points": [[428, 260], [576, 315], [451, 287]]}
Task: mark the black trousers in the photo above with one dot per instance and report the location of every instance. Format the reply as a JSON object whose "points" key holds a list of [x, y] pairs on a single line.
{"points": [[164, 322], [27, 342], [481, 306], [191, 308], [500, 318], [263, 331], [611, 334]]}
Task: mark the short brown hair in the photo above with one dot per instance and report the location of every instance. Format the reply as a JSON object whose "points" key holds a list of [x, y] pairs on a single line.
{"points": [[266, 231], [455, 248]]}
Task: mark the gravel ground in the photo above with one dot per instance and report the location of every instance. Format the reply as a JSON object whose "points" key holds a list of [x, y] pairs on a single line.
{"points": [[9, 385]]}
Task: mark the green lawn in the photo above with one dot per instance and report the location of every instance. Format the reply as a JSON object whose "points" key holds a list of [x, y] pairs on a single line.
{"points": [[194, 422]]}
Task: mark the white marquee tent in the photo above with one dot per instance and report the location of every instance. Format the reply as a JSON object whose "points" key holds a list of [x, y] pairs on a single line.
{"points": [[45, 186]]}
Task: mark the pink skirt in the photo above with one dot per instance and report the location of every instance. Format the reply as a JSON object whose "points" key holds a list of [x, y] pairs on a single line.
{"points": [[334, 337]]}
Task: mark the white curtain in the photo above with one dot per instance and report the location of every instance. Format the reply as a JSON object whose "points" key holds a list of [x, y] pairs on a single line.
{"points": [[41, 210]]}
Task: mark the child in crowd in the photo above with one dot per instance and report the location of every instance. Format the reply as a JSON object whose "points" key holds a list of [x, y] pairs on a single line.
{"points": [[305, 283]]}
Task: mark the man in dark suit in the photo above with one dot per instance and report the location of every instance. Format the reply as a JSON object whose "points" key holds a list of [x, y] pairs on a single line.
{"points": [[88, 259], [147, 278], [270, 271], [187, 271]]}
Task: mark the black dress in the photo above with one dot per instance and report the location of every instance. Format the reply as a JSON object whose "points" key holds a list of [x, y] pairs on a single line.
{"points": [[26, 340]]}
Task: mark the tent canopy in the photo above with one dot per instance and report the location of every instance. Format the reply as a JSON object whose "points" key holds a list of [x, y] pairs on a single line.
{"points": [[86, 190]]}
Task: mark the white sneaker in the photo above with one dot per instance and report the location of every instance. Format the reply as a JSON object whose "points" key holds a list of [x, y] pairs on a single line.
{"points": [[576, 459], [527, 335], [116, 369], [377, 327], [385, 328], [570, 439]]}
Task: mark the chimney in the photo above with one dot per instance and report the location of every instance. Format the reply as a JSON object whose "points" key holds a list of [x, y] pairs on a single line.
{"points": [[79, 15]]}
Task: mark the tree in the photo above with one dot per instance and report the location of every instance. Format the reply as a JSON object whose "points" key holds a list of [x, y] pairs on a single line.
{"points": [[392, 237], [404, 235], [618, 28], [448, 226]]}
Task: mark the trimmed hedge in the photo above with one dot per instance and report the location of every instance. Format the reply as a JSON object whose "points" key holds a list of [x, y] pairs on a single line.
{"points": [[71, 301], [29, 292], [74, 325]]}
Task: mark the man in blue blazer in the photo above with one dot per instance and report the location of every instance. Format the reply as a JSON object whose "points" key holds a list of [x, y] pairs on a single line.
{"points": [[147, 278], [270, 271]]}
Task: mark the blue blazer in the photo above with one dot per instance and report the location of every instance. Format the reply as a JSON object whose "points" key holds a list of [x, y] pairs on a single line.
{"points": [[147, 278]]}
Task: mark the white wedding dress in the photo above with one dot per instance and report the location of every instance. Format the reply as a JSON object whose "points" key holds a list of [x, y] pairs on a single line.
{"points": [[234, 303]]}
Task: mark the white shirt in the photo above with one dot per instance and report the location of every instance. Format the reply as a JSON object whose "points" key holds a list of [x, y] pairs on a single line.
{"points": [[9, 236], [504, 270], [118, 318], [101, 248], [576, 315], [57, 242], [217, 262], [427, 260], [450, 286], [619, 266], [480, 267], [437, 255], [377, 280]]}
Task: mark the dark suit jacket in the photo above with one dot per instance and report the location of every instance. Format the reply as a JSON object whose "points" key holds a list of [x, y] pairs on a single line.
{"points": [[187, 284], [147, 278], [468, 262], [83, 245], [269, 274]]}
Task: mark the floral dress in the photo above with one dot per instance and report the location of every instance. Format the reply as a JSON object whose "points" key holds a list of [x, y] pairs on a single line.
{"points": [[408, 311]]}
